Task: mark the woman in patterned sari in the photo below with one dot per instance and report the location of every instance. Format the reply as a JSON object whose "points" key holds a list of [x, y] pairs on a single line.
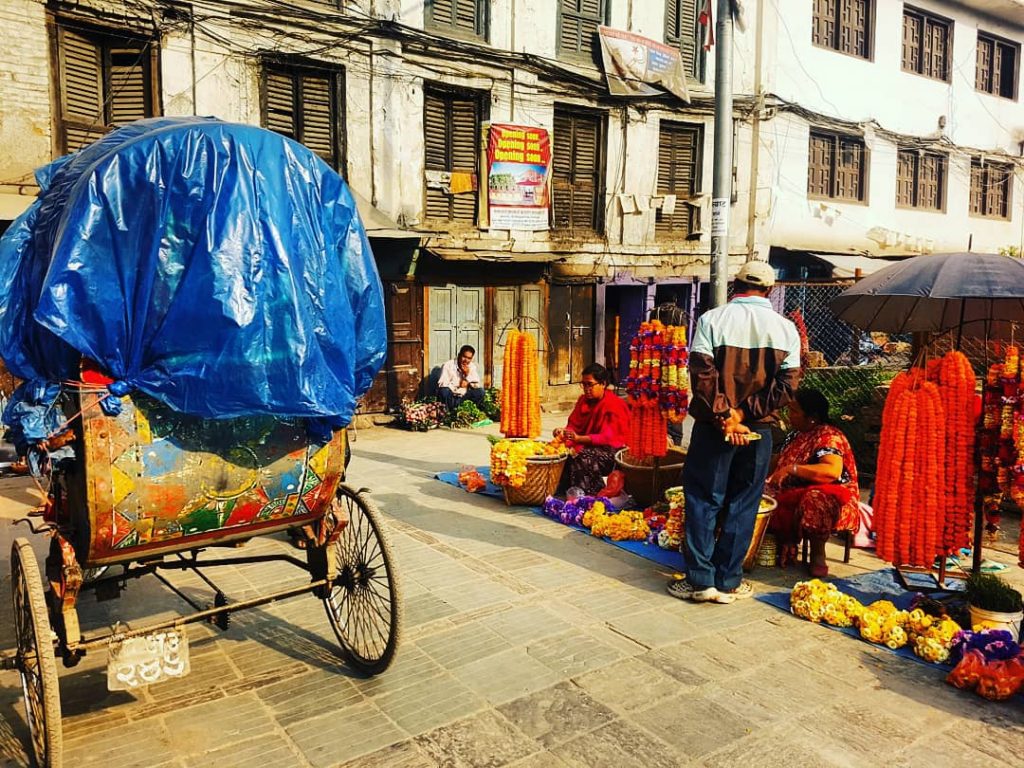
{"points": [[814, 480]]}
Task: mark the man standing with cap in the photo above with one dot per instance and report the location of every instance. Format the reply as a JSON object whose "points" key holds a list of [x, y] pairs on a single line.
{"points": [[744, 367]]}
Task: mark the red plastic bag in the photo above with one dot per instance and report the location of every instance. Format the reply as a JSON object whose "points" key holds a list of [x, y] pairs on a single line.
{"points": [[614, 485]]}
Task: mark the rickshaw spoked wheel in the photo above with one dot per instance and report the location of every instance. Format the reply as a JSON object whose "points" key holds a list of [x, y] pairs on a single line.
{"points": [[364, 604], [36, 659]]}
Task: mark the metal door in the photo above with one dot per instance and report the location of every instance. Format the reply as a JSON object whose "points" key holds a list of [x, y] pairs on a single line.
{"points": [[456, 318], [571, 326], [521, 303]]}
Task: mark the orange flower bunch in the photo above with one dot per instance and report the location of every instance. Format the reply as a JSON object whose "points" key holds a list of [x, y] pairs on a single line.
{"points": [[520, 387], [956, 381], [910, 486]]}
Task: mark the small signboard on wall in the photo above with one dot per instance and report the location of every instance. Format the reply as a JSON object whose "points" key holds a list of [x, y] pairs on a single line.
{"points": [[518, 172]]}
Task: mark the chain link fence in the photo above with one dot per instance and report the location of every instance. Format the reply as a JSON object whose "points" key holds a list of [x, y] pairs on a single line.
{"points": [[852, 368]]}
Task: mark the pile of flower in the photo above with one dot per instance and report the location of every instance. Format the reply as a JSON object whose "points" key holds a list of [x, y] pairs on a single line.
{"points": [[472, 480], [819, 602], [930, 636], [988, 662], [509, 457], [421, 415], [627, 525], [671, 536], [520, 389], [577, 511]]}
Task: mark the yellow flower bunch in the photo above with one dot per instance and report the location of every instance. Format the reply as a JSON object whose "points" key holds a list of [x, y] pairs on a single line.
{"points": [[818, 601], [933, 643], [508, 459], [628, 525], [597, 509], [882, 623]]}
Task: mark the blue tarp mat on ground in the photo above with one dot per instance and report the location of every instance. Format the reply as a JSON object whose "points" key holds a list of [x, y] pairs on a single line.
{"points": [[219, 268], [668, 558]]}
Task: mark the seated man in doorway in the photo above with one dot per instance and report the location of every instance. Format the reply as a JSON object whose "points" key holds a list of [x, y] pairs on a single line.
{"points": [[460, 380]]}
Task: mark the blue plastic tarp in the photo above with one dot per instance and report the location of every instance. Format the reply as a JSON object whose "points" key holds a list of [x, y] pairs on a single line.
{"points": [[219, 268]]}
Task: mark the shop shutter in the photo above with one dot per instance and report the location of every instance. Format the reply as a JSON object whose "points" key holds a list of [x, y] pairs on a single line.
{"points": [[905, 162], [317, 106], [819, 166], [678, 174]]}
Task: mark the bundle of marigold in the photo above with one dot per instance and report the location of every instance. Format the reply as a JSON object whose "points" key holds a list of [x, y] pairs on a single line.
{"points": [[956, 381], [628, 525], [818, 601], [520, 388], [911, 486], [931, 636], [881, 622], [508, 458]]}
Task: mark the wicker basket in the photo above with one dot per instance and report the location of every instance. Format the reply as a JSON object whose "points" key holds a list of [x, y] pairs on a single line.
{"points": [[764, 514], [542, 476], [640, 476]]}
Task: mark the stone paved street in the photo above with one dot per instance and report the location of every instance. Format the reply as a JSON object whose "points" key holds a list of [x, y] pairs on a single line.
{"points": [[525, 644]]}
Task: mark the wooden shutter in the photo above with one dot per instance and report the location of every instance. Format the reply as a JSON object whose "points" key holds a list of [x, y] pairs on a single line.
{"points": [[467, 16], [578, 23], [905, 163], [451, 135], [678, 172], [279, 94], [576, 171], [996, 180], [977, 188], [983, 65], [911, 42], [318, 110], [997, 69], [931, 181], [672, 28], [442, 13], [130, 95], [81, 83], [850, 169], [690, 48], [823, 32], [937, 61], [819, 165]]}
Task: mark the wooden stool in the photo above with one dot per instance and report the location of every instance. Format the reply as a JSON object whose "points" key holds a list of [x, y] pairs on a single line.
{"points": [[846, 536]]}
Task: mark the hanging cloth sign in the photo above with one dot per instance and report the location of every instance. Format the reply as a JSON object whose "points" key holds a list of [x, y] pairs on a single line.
{"points": [[639, 66]]}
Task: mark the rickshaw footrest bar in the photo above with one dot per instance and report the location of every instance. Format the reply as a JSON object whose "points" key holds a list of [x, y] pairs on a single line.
{"points": [[193, 618], [8, 660]]}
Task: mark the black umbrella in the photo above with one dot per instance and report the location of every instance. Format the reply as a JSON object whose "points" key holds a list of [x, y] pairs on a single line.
{"points": [[936, 293]]}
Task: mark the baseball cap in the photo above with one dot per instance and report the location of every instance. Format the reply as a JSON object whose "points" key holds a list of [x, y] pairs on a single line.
{"points": [[758, 273]]}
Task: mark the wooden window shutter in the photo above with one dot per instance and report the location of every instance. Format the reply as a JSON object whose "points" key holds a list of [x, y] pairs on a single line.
{"points": [[977, 187], [983, 65], [576, 171], [678, 174], [819, 166], [442, 13], [279, 93], [850, 169], [939, 44], [690, 48], [825, 17], [996, 182], [905, 164], [81, 82], [578, 23], [673, 32], [130, 95], [931, 181], [911, 42], [997, 69], [451, 134], [317, 112], [561, 170]]}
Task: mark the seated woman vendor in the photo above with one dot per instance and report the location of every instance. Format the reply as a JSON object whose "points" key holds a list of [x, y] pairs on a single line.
{"points": [[814, 480], [598, 427]]}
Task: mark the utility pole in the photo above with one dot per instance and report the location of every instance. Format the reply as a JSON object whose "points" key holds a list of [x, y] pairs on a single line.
{"points": [[721, 187]]}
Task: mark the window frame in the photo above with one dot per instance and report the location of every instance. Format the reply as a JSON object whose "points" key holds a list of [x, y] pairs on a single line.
{"points": [[697, 68], [995, 41], [482, 12], [919, 157], [836, 43], [837, 139], [597, 226], [984, 167], [696, 181], [481, 101], [107, 41], [300, 68], [929, 20], [577, 54]]}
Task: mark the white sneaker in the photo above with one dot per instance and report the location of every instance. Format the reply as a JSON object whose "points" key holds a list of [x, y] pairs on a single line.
{"points": [[707, 595], [743, 591]]}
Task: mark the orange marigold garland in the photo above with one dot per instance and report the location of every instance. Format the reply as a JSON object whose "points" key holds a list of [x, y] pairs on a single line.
{"points": [[956, 381], [657, 387], [520, 391]]}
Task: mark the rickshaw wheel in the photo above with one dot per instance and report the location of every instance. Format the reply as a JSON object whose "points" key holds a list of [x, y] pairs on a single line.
{"points": [[364, 604], [36, 660]]}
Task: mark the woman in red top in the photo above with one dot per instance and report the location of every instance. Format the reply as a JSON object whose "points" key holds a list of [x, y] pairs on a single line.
{"points": [[597, 428]]}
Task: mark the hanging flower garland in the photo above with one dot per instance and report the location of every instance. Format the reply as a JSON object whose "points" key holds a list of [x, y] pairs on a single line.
{"points": [[520, 386], [956, 380], [658, 386]]}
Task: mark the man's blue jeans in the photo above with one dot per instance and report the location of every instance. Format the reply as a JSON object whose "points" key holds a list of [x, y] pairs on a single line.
{"points": [[722, 484]]}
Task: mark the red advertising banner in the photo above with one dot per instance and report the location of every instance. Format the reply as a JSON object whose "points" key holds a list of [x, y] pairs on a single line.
{"points": [[518, 171]]}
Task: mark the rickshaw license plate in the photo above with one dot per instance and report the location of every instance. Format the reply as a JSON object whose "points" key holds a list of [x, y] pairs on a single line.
{"points": [[153, 658]]}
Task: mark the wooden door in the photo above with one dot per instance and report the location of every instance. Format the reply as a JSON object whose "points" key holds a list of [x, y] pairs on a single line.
{"points": [[571, 327], [405, 341], [515, 306], [456, 318]]}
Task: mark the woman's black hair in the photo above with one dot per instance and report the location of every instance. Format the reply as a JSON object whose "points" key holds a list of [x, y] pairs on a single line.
{"points": [[814, 404], [598, 371]]}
